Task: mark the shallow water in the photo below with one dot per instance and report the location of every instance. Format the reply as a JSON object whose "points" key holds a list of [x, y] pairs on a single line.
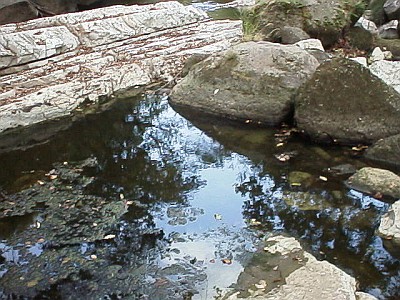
{"points": [[139, 197]]}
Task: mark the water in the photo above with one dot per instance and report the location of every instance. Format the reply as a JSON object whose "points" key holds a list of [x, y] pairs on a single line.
{"points": [[138, 196]]}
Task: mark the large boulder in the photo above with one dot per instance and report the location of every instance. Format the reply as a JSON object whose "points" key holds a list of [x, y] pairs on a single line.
{"points": [[386, 150], [392, 9], [390, 223], [344, 103], [322, 19], [13, 11], [375, 181], [251, 80]]}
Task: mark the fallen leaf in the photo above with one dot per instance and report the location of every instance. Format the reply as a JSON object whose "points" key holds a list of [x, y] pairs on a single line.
{"points": [[109, 237], [275, 268], [323, 178], [121, 196], [41, 240], [93, 256], [282, 157], [65, 260], [280, 144], [52, 177], [254, 222], [295, 184], [40, 182], [32, 283], [38, 224], [217, 217], [226, 261], [216, 91], [212, 261]]}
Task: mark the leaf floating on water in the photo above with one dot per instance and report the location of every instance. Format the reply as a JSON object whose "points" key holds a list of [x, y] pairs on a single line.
{"points": [[32, 283], [216, 91], [226, 261], [254, 222], [109, 237], [323, 178], [280, 144], [217, 217], [40, 182], [93, 256], [295, 184], [282, 157], [359, 148], [38, 224]]}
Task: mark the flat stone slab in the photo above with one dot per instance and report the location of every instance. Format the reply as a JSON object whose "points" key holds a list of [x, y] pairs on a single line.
{"points": [[50, 66]]}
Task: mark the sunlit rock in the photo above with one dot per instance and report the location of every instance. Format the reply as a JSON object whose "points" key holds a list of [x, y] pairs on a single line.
{"points": [[376, 182], [390, 223], [313, 280], [251, 81], [388, 71], [50, 66]]}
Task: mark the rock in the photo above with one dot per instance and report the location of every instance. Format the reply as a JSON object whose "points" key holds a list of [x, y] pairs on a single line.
{"points": [[344, 103], [375, 12], [255, 81], [344, 169], [300, 178], [367, 25], [49, 66], [361, 60], [376, 55], [55, 7], [386, 150], [391, 45], [291, 35], [360, 38], [310, 44], [305, 201], [388, 71], [390, 223], [373, 180], [392, 9], [389, 30], [13, 11], [314, 280], [322, 19]]}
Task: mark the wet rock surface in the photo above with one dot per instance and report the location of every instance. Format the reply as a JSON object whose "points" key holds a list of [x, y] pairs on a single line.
{"points": [[360, 109], [390, 223], [376, 181], [255, 81], [386, 150]]}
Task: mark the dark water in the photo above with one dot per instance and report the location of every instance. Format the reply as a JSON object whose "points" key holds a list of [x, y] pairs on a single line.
{"points": [[175, 198]]}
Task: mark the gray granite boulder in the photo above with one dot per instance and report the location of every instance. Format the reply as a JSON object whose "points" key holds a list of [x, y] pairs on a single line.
{"points": [[255, 81], [386, 150], [345, 103]]}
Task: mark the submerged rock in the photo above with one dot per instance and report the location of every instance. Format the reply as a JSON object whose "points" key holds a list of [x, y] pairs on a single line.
{"points": [[390, 223], [344, 103], [386, 150], [255, 81], [376, 181]]}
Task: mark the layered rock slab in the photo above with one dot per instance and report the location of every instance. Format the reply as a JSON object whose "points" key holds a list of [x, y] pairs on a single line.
{"points": [[83, 57]]}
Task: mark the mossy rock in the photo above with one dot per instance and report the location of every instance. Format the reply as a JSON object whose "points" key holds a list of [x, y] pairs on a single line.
{"points": [[321, 19], [360, 38]]}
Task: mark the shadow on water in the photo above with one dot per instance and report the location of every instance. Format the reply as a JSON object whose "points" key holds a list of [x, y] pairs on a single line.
{"points": [[139, 202]]}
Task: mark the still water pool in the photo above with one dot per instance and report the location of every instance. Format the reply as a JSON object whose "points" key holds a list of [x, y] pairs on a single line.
{"points": [[138, 202]]}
